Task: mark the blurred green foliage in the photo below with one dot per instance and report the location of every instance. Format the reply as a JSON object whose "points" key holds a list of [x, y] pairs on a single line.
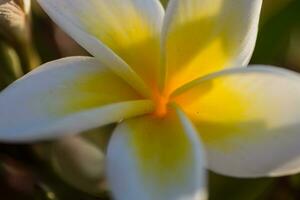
{"points": [[274, 39], [23, 176]]}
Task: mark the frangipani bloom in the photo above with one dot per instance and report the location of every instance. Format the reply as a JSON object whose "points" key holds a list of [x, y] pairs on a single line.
{"points": [[176, 84]]}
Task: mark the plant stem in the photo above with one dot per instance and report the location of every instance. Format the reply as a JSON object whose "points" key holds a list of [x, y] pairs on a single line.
{"points": [[9, 66], [27, 56]]}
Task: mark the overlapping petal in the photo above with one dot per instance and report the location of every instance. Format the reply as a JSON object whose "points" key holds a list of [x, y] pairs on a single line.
{"points": [[129, 28], [156, 158], [205, 36], [66, 96], [249, 120]]}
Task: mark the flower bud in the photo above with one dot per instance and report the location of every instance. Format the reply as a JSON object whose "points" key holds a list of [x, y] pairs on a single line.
{"points": [[79, 160], [25, 5], [14, 21]]}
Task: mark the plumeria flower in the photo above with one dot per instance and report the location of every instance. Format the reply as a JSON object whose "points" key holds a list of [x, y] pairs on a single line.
{"points": [[176, 84]]}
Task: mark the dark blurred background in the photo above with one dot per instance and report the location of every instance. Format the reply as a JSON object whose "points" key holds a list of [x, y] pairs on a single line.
{"points": [[25, 172]]}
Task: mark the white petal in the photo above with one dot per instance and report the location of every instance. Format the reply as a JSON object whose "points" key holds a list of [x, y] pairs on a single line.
{"points": [[249, 120], [156, 158], [121, 30], [204, 36], [65, 97]]}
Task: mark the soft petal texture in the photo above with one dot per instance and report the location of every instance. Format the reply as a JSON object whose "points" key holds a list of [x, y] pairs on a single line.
{"points": [[156, 158], [249, 120], [129, 28], [205, 36], [65, 97]]}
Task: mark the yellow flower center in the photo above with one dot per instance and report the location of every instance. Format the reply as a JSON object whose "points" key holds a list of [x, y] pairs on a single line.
{"points": [[161, 106], [161, 100]]}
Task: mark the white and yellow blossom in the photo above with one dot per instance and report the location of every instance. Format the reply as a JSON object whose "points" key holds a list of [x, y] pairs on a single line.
{"points": [[175, 81]]}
